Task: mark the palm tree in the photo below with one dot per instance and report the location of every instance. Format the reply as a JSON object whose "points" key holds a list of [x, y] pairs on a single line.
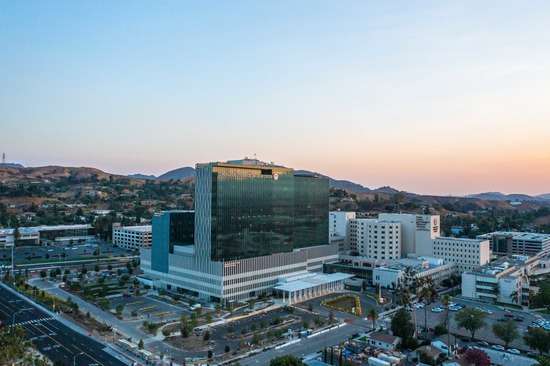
{"points": [[427, 294], [446, 300], [372, 316]]}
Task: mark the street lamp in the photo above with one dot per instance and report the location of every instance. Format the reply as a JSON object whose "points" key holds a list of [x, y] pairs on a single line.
{"points": [[75, 356]]}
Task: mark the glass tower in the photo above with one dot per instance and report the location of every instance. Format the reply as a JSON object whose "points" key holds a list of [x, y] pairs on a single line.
{"points": [[260, 209]]}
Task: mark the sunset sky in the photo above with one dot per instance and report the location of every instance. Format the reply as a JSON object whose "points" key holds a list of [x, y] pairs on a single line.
{"points": [[434, 97]]}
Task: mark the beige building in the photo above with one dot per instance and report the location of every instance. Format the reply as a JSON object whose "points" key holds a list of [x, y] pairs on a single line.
{"points": [[467, 254], [418, 232], [376, 239]]}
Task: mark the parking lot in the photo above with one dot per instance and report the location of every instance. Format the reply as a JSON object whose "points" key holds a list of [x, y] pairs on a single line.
{"points": [[148, 308], [494, 314], [65, 252]]}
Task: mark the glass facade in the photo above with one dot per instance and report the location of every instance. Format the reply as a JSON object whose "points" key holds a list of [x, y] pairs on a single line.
{"points": [[260, 210], [170, 228], [311, 209], [182, 229]]}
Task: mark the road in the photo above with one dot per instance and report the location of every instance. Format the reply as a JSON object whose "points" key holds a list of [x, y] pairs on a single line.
{"points": [[305, 346], [127, 328], [52, 338]]}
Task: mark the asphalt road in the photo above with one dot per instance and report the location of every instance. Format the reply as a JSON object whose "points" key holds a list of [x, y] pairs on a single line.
{"points": [[305, 346], [52, 338]]}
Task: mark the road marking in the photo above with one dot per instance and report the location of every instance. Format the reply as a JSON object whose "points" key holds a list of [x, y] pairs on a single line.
{"points": [[33, 321]]}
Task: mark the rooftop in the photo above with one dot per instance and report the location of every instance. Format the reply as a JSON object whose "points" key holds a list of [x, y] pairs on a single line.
{"points": [[309, 280], [383, 337], [35, 229], [139, 229], [517, 235], [502, 264]]}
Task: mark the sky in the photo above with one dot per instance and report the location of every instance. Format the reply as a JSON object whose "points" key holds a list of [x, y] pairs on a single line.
{"points": [[433, 97]]}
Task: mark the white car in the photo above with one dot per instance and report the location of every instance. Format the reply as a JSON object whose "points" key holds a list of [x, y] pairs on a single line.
{"points": [[498, 347], [514, 351], [419, 305], [437, 310]]}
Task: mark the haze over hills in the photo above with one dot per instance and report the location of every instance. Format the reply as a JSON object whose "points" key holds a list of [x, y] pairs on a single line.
{"points": [[16, 172], [498, 196]]}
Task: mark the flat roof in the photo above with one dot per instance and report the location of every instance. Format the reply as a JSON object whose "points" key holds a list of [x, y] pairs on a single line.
{"points": [[309, 280], [140, 229], [35, 229], [518, 235]]}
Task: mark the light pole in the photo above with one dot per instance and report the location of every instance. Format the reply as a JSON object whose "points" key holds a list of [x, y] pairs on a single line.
{"points": [[75, 356]]}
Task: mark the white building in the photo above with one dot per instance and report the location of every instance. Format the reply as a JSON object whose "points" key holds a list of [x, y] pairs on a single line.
{"points": [[418, 232], [307, 285], [467, 254], [505, 280], [376, 239], [338, 223], [522, 243], [132, 237], [52, 234], [405, 271], [382, 340]]}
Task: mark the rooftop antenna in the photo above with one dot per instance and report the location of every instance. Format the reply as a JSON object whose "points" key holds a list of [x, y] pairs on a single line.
{"points": [[3, 158]]}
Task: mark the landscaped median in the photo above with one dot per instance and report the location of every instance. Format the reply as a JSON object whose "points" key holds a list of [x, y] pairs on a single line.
{"points": [[345, 303]]}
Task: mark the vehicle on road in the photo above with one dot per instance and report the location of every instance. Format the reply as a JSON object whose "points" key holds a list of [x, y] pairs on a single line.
{"points": [[513, 351], [498, 347], [519, 319], [483, 343], [437, 310]]}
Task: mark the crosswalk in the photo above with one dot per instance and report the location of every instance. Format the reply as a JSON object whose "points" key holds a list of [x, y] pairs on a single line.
{"points": [[35, 321]]}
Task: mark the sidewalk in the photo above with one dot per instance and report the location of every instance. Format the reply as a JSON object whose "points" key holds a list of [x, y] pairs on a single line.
{"points": [[127, 329]]}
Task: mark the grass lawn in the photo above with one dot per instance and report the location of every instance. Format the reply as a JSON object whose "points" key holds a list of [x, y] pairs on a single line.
{"points": [[345, 303]]}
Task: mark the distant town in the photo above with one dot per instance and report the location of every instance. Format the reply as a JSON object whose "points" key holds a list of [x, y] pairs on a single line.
{"points": [[245, 262]]}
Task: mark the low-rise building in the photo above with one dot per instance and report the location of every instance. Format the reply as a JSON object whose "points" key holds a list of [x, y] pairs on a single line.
{"points": [[382, 340], [467, 254], [35, 235], [408, 270], [132, 237], [522, 243], [505, 280]]}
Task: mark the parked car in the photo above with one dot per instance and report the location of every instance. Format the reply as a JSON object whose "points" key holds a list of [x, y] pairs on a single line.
{"points": [[498, 347], [519, 319], [514, 351], [437, 310], [483, 343]]}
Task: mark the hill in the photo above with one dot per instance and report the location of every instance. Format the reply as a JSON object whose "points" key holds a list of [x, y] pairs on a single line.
{"points": [[51, 173], [178, 174], [498, 196]]}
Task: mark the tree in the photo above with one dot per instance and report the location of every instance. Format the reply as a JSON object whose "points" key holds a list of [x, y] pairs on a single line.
{"points": [[14, 345], [476, 357], [226, 348], [119, 308], [402, 326], [372, 315], [287, 360], [471, 320], [43, 274], [140, 344], [538, 339], [507, 331], [206, 336], [427, 294]]}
